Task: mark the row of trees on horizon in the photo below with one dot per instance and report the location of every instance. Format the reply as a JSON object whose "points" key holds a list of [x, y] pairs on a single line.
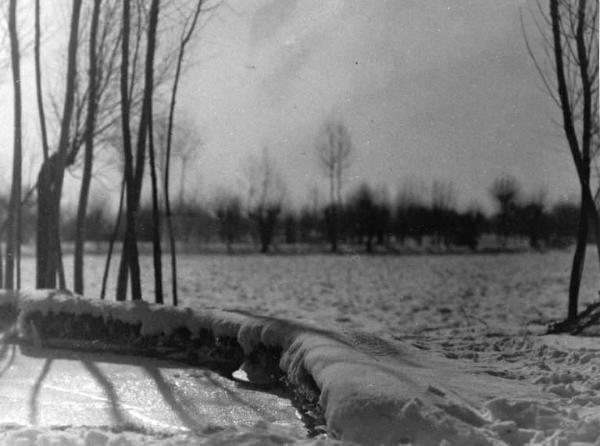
{"points": [[367, 217]]}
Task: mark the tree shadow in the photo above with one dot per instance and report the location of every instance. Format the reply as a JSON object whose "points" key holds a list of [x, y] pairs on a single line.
{"points": [[4, 351], [75, 352], [235, 397], [35, 391], [109, 390], [166, 390]]}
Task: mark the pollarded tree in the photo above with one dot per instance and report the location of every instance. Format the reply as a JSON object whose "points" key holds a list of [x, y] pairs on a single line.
{"points": [[334, 151], [228, 210], [505, 191], [52, 173], [411, 211], [363, 209], [266, 191], [532, 219], [443, 203]]}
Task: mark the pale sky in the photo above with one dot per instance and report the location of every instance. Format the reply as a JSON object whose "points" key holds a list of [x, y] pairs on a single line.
{"points": [[429, 89]]}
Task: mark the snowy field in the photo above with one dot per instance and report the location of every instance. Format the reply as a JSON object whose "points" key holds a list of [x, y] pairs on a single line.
{"points": [[480, 311], [393, 296]]}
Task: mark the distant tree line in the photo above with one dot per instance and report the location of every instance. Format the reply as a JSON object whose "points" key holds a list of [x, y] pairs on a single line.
{"points": [[369, 220]]}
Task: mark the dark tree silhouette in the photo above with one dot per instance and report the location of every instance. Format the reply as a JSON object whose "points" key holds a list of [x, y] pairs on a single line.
{"points": [[334, 150], [363, 208], [186, 35], [13, 232], [265, 197], [562, 232], [290, 228], [469, 227], [411, 212], [88, 156], [228, 209], [129, 257], [51, 176], [443, 202], [572, 47], [532, 220], [505, 190], [38, 83], [156, 247]]}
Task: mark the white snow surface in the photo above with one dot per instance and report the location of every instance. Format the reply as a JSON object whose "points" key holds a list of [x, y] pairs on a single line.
{"points": [[260, 434], [496, 390]]}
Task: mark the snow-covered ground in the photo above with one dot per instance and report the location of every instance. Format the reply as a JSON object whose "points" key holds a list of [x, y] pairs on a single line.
{"points": [[483, 313]]}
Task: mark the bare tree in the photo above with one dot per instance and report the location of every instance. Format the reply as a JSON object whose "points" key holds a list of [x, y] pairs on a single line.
{"points": [[130, 250], [13, 242], [51, 176], [129, 256], [89, 154], [228, 210], [443, 202], [364, 215], [572, 47], [505, 190], [411, 211], [107, 92], [187, 32], [108, 88], [266, 191], [334, 150], [156, 248], [113, 239], [38, 83], [532, 218]]}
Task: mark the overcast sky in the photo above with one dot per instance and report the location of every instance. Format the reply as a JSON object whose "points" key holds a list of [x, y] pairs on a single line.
{"points": [[429, 89]]}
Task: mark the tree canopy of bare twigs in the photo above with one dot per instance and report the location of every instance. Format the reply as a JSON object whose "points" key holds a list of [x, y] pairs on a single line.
{"points": [[334, 155], [266, 191], [569, 72]]}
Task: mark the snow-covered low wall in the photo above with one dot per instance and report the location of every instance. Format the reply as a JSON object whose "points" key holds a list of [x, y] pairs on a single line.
{"points": [[370, 391]]}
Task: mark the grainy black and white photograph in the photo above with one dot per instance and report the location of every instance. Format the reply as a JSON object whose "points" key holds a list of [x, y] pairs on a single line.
{"points": [[305, 222]]}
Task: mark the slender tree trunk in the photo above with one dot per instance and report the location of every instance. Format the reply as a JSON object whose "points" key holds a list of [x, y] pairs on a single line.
{"points": [[44, 179], [333, 224], [129, 256], [1, 266], [88, 156], [580, 153], [156, 248], [13, 232], [113, 239], [38, 83], [42, 228], [184, 41], [578, 259], [594, 219]]}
